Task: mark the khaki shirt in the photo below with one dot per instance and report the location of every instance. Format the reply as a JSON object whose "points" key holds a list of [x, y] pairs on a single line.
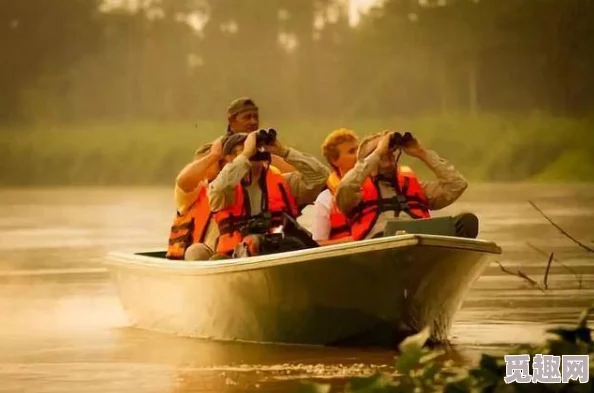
{"points": [[442, 192], [304, 184]]}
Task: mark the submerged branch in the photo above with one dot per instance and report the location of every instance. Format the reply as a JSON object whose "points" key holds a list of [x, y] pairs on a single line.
{"points": [[520, 274], [578, 276], [582, 245], [546, 276]]}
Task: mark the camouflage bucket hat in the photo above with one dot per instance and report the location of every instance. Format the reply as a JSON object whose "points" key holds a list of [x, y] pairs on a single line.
{"points": [[241, 105]]}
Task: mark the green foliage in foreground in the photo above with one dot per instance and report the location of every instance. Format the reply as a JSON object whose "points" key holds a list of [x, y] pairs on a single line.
{"points": [[483, 148], [419, 372]]}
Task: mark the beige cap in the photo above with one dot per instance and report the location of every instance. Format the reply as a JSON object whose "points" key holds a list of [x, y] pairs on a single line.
{"points": [[233, 140]]}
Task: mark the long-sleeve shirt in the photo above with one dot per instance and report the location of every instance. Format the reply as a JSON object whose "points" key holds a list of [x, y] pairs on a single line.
{"points": [[321, 224], [304, 184], [442, 192]]}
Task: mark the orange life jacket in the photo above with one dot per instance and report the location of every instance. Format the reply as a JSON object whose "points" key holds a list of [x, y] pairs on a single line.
{"points": [[190, 227], [233, 221], [339, 225], [410, 199]]}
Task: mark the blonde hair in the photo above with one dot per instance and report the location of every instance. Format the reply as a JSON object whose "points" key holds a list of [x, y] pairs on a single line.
{"points": [[335, 138]]}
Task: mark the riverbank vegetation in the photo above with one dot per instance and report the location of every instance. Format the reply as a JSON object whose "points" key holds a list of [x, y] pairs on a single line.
{"points": [[121, 92], [484, 148], [418, 369]]}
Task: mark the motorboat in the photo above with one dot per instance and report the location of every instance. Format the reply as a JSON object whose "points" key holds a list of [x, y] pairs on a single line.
{"points": [[372, 292]]}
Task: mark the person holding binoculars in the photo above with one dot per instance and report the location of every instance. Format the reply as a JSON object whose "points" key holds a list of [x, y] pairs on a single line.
{"points": [[193, 234], [377, 189], [247, 189]]}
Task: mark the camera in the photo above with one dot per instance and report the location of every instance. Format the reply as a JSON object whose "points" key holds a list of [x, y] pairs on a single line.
{"points": [[398, 140], [266, 136], [261, 156], [259, 224]]}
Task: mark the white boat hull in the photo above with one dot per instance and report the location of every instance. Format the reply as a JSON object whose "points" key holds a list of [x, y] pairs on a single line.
{"points": [[372, 292]]}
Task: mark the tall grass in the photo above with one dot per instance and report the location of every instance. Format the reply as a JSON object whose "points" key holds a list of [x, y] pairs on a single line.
{"points": [[483, 148]]}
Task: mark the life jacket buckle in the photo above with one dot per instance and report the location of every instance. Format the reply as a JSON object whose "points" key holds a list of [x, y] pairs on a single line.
{"points": [[402, 202]]}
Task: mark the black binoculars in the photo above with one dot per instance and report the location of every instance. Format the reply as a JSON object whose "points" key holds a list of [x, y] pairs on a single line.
{"points": [[398, 140], [266, 136]]}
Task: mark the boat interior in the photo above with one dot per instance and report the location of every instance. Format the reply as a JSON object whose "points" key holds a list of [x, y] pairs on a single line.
{"points": [[440, 226]]}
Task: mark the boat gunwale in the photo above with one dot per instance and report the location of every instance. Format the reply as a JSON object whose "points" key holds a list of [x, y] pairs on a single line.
{"points": [[200, 268]]}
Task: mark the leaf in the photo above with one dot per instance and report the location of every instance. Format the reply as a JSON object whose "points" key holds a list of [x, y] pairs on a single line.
{"points": [[314, 387], [558, 347], [489, 372], [431, 355], [431, 371], [564, 334], [367, 384], [411, 351], [408, 359], [489, 362], [418, 339], [460, 386]]}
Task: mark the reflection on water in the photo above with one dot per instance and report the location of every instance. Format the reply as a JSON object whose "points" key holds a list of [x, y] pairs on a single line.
{"points": [[63, 329]]}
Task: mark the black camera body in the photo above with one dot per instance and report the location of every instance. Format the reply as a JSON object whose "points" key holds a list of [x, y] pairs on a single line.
{"points": [[265, 136], [258, 225], [398, 140], [261, 156]]}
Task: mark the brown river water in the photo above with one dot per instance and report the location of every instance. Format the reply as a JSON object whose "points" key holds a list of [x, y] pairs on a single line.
{"points": [[62, 328]]}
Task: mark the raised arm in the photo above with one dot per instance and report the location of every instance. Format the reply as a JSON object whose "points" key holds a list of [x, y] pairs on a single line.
{"points": [[221, 191], [449, 185], [205, 167]]}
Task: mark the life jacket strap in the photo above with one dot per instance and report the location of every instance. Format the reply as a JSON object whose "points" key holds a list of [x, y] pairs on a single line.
{"points": [[341, 229], [186, 225], [397, 204]]}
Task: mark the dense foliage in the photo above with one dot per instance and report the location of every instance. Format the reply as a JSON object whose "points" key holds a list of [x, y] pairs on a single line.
{"points": [[67, 60], [122, 92]]}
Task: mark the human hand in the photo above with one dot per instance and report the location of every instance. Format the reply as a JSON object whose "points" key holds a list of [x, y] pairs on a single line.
{"points": [[250, 145], [383, 146], [216, 150], [276, 148], [414, 148]]}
